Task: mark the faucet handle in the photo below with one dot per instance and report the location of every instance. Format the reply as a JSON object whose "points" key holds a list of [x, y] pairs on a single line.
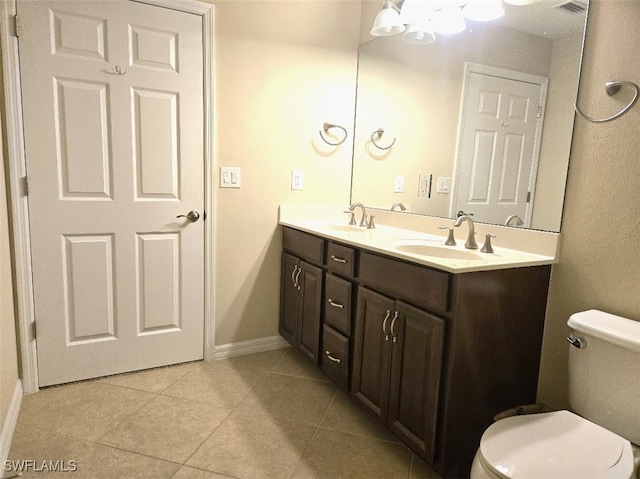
{"points": [[451, 240], [370, 224], [352, 217], [486, 247]]}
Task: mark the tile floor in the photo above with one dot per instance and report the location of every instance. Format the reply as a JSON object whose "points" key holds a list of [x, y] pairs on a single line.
{"points": [[265, 415]]}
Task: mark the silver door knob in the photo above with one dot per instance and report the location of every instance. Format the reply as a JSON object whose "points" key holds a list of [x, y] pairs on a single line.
{"points": [[192, 215]]}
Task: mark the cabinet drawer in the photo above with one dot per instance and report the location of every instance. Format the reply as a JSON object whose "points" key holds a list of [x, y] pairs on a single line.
{"points": [[335, 357], [416, 284], [341, 259], [304, 245], [338, 295]]}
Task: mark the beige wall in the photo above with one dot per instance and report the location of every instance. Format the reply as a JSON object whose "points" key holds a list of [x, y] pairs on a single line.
{"points": [[8, 354], [599, 260], [282, 69]]}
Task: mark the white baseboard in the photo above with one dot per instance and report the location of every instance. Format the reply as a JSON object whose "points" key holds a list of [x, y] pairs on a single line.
{"points": [[249, 347], [10, 422]]}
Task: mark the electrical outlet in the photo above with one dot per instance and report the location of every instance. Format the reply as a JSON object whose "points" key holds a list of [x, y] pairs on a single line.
{"points": [[297, 180], [423, 186]]}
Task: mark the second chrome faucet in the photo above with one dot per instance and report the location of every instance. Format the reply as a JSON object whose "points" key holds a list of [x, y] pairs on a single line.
{"points": [[363, 219], [471, 239]]}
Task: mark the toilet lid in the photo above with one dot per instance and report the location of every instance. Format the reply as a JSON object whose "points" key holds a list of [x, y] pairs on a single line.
{"points": [[558, 444]]}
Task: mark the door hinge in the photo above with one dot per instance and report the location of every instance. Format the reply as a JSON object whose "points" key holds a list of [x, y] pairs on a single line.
{"points": [[25, 186], [15, 26], [539, 114], [33, 331], [528, 197]]}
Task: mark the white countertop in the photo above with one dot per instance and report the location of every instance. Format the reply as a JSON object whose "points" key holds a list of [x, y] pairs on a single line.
{"points": [[402, 243]]}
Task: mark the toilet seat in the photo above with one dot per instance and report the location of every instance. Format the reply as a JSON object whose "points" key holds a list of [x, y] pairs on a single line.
{"points": [[558, 444]]}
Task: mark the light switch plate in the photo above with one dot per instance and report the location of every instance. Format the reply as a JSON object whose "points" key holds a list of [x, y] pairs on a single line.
{"points": [[398, 184], [444, 184], [230, 177]]}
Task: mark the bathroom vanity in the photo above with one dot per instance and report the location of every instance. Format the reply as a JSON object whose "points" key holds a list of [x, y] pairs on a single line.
{"points": [[430, 353]]}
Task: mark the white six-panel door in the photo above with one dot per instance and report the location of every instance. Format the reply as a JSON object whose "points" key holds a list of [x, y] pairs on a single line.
{"points": [[113, 108], [500, 138]]}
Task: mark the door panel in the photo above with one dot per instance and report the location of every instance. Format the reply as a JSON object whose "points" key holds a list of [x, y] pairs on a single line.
{"points": [[372, 349], [311, 303], [499, 148], [89, 288], [415, 377], [113, 112], [289, 299]]}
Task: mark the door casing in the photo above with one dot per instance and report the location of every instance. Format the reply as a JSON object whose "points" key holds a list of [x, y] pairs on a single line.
{"points": [[18, 191]]}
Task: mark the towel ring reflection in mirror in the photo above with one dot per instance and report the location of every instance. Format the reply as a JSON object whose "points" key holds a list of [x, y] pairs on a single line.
{"points": [[379, 132], [326, 127], [613, 87]]}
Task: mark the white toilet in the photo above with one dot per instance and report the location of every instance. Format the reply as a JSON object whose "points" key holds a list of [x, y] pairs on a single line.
{"points": [[604, 389]]}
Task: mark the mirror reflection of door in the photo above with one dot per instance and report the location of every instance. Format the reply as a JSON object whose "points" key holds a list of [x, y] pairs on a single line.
{"points": [[499, 144]]}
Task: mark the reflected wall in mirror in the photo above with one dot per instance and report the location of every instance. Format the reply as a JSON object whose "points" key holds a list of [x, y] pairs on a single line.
{"points": [[482, 120]]}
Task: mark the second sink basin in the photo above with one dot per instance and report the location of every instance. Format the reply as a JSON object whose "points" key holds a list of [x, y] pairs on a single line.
{"points": [[437, 251]]}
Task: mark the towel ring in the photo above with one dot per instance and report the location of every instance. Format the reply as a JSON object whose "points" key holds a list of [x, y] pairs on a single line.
{"points": [[613, 87], [326, 127], [379, 132]]}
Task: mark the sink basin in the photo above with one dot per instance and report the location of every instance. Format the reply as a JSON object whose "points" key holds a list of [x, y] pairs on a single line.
{"points": [[437, 251], [344, 228]]}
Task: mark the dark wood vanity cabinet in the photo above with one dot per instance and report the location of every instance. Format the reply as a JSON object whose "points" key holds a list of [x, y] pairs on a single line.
{"points": [[432, 355], [397, 365], [301, 292]]}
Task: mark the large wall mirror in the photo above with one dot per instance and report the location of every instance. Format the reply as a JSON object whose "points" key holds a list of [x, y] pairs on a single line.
{"points": [[479, 122]]}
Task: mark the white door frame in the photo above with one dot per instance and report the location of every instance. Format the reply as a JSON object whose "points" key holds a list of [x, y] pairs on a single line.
{"points": [[470, 68], [16, 174]]}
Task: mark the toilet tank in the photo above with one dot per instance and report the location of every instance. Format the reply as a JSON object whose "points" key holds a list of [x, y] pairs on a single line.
{"points": [[604, 374]]}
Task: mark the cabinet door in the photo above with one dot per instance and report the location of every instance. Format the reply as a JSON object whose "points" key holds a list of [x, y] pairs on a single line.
{"points": [[416, 360], [372, 350], [289, 298], [310, 308]]}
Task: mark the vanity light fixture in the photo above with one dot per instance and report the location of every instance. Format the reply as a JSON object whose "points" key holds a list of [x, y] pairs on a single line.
{"points": [[419, 19], [483, 10], [387, 21]]}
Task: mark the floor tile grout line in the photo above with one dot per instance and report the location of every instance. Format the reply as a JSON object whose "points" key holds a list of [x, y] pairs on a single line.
{"points": [[315, 433], [264, 375]]}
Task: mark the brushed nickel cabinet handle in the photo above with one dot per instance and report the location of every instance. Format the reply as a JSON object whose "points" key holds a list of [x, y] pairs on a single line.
{"points": [[339, 260], [335, 304], [393, 322], [335, 360], [293, 274], [297, 276], [384, 326]]}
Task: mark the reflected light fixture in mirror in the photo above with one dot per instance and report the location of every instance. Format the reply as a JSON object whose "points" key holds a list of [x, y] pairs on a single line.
{"points": [[387, 22], [419, 19]]}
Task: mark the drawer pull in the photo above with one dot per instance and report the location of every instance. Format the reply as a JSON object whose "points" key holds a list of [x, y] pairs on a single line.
{"points": [[335, 360], [339, 260], [335, 304], [384, 326], [293, 274]]}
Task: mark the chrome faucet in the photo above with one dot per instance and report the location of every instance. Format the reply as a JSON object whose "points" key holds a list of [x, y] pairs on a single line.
{"points": [[471, 239], [398, 205], [514, 220], [363, 219]]}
